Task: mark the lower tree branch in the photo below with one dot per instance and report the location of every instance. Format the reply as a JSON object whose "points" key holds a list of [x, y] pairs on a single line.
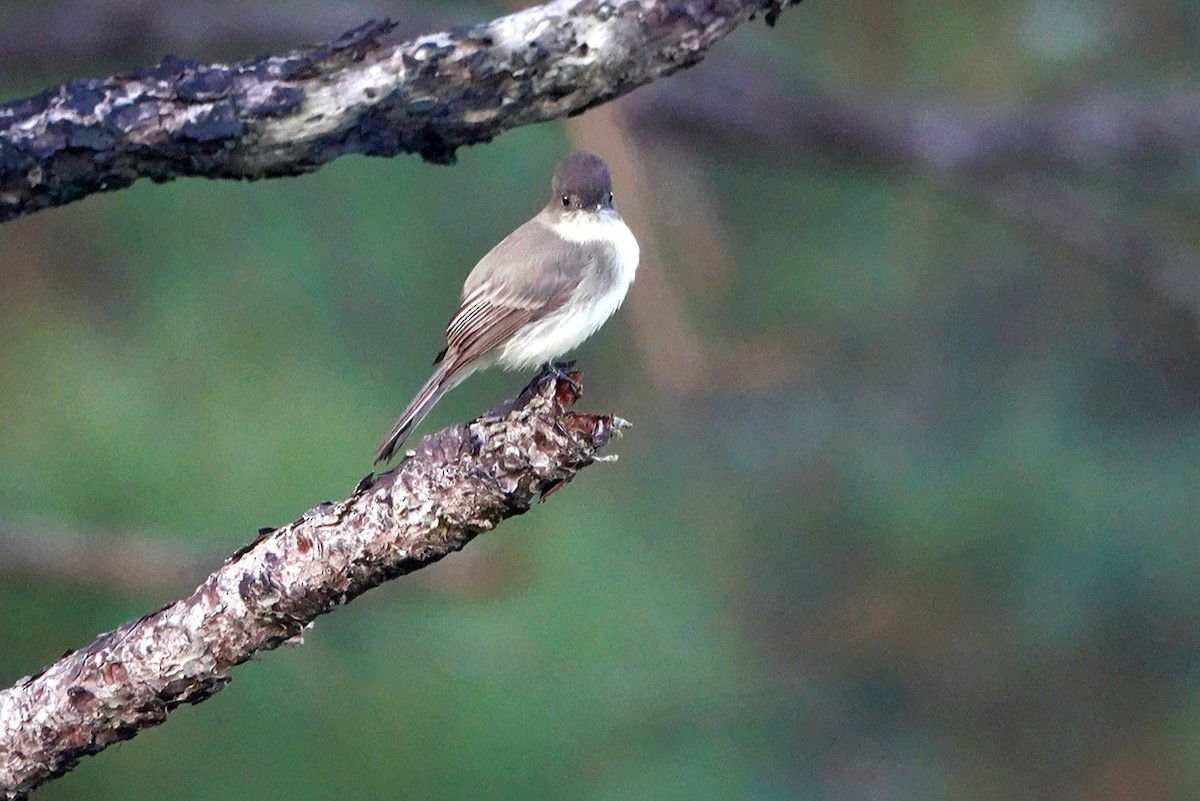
{"points": [[459, 483], [289, 114]]}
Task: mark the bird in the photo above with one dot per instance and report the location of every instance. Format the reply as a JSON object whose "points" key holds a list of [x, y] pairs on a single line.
{"points": [[539, 293]]}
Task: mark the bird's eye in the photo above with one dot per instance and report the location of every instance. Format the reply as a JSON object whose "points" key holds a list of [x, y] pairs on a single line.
{"points": [[610, 197], [566, 199]]}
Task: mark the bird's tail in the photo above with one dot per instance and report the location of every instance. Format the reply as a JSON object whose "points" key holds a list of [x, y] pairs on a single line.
{"points": [[442, 381]]}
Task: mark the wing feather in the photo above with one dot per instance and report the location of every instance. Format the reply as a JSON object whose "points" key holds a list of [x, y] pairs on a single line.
{"points": [[529, 275]]}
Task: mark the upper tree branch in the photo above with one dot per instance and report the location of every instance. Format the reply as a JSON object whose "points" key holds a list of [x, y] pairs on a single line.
{"points": [[461, 482], [289, 114]]}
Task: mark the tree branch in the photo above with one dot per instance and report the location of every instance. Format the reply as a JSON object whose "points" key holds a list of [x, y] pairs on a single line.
{"points": [[289, 114], [459, 483]]}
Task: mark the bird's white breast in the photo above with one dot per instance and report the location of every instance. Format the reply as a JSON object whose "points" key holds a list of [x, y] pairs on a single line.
{"points": [[607, 226], [599, 294]]}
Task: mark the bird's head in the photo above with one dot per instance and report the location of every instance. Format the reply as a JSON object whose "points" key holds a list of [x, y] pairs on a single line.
{"points": [[582, 183]]}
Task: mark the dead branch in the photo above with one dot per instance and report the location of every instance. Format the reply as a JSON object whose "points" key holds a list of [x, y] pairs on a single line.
{"points": [[459, 483], [289, 114]]}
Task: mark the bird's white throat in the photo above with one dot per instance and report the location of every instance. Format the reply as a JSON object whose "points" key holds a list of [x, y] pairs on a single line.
{"points": [[604, 226]]}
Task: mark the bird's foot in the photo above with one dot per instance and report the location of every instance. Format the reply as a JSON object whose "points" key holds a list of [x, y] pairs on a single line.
{"points": [[561, 371]]}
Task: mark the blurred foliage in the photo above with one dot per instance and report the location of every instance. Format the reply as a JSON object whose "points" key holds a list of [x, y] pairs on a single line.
{"points": [[951, 553]]}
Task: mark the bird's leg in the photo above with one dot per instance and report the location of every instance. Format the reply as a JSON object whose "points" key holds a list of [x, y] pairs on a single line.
{"points": [[561, 371]]}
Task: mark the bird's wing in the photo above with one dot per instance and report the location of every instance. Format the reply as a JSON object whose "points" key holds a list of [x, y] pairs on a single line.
{"points": [[529, 275], [482, 324]]}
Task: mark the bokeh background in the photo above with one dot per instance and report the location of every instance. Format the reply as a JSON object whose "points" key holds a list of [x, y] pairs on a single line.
{"points": [[909, 509]]}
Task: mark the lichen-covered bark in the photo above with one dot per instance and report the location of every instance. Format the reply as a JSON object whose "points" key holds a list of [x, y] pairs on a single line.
{"points": [[289, 114], [460, 483]]}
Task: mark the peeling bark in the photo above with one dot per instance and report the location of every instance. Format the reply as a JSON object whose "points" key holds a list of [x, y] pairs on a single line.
{"points": [[289, 114], [459, 483]]}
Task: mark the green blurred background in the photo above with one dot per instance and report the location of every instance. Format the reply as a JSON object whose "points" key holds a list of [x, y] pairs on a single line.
{"points": [[908, 511]]}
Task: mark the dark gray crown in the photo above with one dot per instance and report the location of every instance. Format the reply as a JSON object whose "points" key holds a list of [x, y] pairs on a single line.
{"points": [[583, 180]]}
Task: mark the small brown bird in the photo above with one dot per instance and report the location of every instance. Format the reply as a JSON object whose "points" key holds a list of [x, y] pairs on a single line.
{"points": [[547, 287]]}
